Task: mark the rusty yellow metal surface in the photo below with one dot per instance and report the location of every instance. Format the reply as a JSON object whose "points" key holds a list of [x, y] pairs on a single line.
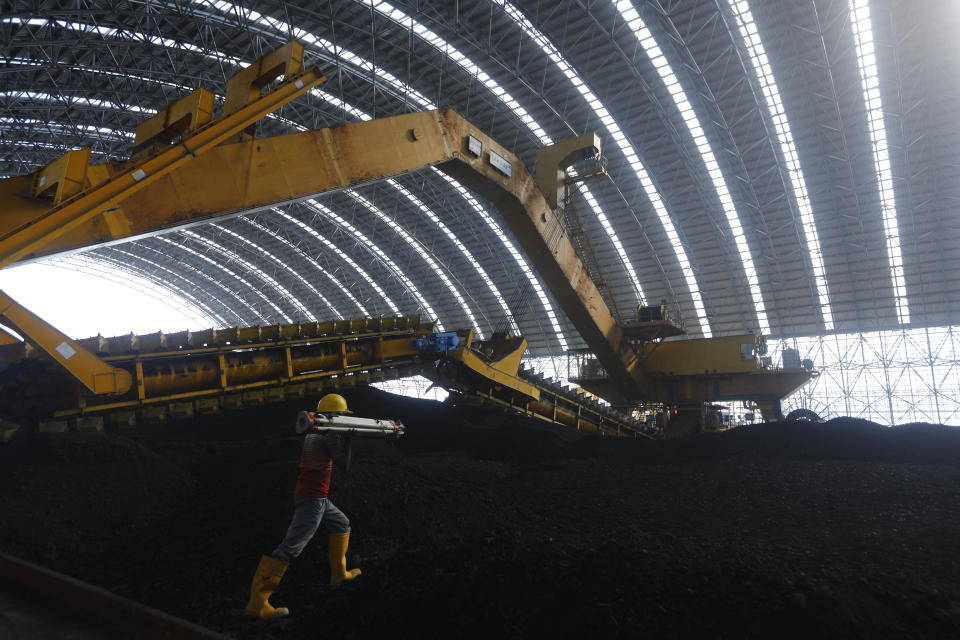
{"points": [[560, 410], [390, 349], [167, 368], [92, 372], [25, 229], [727, 354], [553, 160], [178, 118], [756, 385], [245, 86], [692, 388], [500, 369], [63, 178], [509, 361]]}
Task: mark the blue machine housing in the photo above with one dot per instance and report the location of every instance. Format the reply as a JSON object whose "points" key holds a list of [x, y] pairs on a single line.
{"points": [[437, 342]]}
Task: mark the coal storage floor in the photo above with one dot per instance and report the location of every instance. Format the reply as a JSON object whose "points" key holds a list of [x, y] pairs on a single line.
{"points": [[479, 524]]}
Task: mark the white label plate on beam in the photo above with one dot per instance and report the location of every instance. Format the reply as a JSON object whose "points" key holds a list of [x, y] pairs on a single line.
{"points": [[65, 350], [500, 163]]}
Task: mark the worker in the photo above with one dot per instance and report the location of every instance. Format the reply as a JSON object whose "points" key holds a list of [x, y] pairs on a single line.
{"points": [[320, 452]]}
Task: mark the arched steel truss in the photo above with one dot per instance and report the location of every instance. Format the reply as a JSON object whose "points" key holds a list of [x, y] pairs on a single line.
{"points": [[528, 72]]}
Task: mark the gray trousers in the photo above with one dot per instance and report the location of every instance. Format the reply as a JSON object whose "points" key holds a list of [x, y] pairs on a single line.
{"points": [[307, 516]]}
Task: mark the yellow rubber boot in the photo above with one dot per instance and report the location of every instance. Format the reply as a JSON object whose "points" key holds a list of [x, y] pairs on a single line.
{"points": [[265, 582], [338, 559]]}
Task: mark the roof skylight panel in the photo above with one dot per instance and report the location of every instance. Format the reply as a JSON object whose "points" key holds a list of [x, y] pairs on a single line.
{"points": [[312, 263], [231, 273], [77, 260], [672, 83], [771, 94], [60, 148], [337, 102], [424, 255], [633, 159], [382, 256], [870, 83], [71, 129], [512, 250], [281, 263], [123, 34], [252, 268], [71, 100], [340, 254], [415, 201], [205, 276]]}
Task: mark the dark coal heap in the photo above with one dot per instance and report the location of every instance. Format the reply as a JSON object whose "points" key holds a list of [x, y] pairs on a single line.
{"points": [[480, 524]]}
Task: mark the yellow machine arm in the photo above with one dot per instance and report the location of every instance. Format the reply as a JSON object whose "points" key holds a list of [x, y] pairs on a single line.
{"points": [[108, 205], [92, 372], [252, 174]]}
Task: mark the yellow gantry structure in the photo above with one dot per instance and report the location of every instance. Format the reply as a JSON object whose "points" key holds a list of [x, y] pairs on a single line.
{"points": [[189, 167], [189, 373], [256, 173]]}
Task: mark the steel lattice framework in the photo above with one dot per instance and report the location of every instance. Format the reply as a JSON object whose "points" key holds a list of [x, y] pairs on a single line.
{"points": [[754, 152]]}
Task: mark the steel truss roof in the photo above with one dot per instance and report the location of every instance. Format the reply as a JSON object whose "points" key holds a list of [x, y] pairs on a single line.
{"points": [[85, 76]]}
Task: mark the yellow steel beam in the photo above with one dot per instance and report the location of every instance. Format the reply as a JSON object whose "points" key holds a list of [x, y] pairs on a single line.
{"points": [[214, 172], [245, 85], [688, 388], [95, 374], [6, 339], [63, 178], [26, 228], [554, 160], [247, 175], [727, 354], [502, 371], [185, 115]]}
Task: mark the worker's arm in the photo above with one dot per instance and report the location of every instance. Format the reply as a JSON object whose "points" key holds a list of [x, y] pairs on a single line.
{"points": [[343, 453]]}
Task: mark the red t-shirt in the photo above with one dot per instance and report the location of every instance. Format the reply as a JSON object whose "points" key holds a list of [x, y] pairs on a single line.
{"points": [[316, 463]]}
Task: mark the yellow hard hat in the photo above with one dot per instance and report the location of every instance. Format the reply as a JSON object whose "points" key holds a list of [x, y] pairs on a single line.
{"points": [[332, 403]]}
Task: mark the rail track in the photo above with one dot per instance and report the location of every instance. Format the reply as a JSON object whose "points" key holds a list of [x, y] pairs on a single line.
{"points": [[121, 617]]}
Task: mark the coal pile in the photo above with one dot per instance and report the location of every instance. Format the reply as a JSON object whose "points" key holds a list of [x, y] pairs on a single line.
{"points": [[480, 524]]}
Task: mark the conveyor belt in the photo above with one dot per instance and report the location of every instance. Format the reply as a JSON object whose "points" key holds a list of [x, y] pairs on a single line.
{"points": [[188, 373], [181, 375], [569, 407], [575, 403]]}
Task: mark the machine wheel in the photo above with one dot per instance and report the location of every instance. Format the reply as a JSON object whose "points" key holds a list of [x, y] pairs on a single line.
{"points": [[803, 415]]}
